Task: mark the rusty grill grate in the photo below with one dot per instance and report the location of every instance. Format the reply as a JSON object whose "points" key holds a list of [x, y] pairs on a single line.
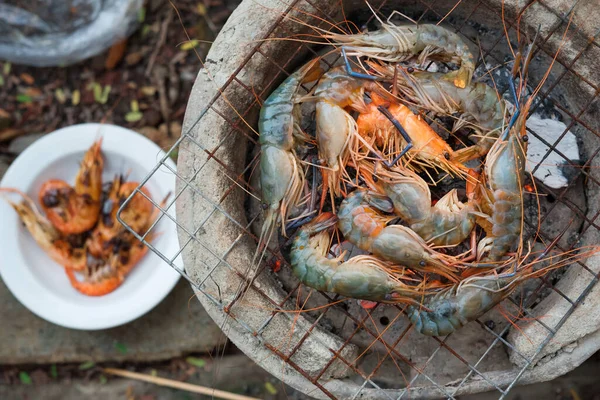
{"points": [[581, 45]]}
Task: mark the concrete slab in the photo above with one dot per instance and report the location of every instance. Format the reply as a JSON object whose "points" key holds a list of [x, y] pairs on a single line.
{"points": [[175, 327]]}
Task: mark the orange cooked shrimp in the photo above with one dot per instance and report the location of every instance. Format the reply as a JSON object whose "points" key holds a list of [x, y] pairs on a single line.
{"points": [[429, 149], [75, 209], [376, 127], [138, 214], [101, 278], [139, 211], [46, 235]]}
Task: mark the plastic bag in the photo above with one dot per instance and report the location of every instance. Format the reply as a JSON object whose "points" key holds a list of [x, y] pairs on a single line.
{"points": [[46, 33]]}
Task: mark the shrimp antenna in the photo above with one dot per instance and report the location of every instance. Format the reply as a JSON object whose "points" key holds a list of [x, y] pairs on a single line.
{"points": [[353, 73], [529, 55], [511, 81], [543, 254], [398, 126]]}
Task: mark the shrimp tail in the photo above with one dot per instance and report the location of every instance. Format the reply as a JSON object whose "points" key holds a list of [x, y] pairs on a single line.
{"points": [[475, 151], [320, 223], [268, 228]]}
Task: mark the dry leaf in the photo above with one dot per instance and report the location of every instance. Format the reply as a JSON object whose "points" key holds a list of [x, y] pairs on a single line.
{"points": [[133, 58], [10, 133], [148, 90], [28, 79], [115, 54], [5, 119], [33, 92]]}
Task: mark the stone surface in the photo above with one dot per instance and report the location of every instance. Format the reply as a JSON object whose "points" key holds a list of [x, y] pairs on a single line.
{"points": [[4, 164], [175, 327], [22, 142]]}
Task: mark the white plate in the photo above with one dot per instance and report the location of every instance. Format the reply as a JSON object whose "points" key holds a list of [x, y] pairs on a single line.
{"points": [[42, 285]]}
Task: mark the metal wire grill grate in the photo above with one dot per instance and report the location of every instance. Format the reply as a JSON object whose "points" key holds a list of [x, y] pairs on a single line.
{"points": [[466, 16]]}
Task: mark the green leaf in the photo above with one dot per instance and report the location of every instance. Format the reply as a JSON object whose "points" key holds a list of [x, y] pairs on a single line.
{"points": [[135, 106], [25, 378], [53, 371], [200, 9], [101, 94], [103, 379], [189, 45], [121, 348], [148, 90], [270, 388], [153, 372], [86, 365], [23, 98], [1, 80], [6, 68], [97, 92], [133, 116], [105, 93], [196, 362], [145, 30], [60, 96], [174, 154], [75, 97], [141, 15]]}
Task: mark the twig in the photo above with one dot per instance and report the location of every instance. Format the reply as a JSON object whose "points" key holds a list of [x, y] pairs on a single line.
{"points": [[11, 133], [160, 77], [178, 385], [161, 41]]}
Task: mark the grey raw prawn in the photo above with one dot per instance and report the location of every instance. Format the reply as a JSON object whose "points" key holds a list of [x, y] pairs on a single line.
{"points": [[452, 308], [361, 277], [363, 225], [396, 43], [280, 175]]}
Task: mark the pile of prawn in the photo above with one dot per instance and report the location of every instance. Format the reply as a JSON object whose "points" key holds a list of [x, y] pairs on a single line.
{"points": [[374, 159], [80, 230]]}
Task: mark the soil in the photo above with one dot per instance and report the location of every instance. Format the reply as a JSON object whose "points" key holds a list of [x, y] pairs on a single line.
{"points": [[142, 83]]}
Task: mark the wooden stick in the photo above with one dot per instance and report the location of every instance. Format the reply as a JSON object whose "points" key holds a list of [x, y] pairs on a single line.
{"points": [[178, 385]]}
